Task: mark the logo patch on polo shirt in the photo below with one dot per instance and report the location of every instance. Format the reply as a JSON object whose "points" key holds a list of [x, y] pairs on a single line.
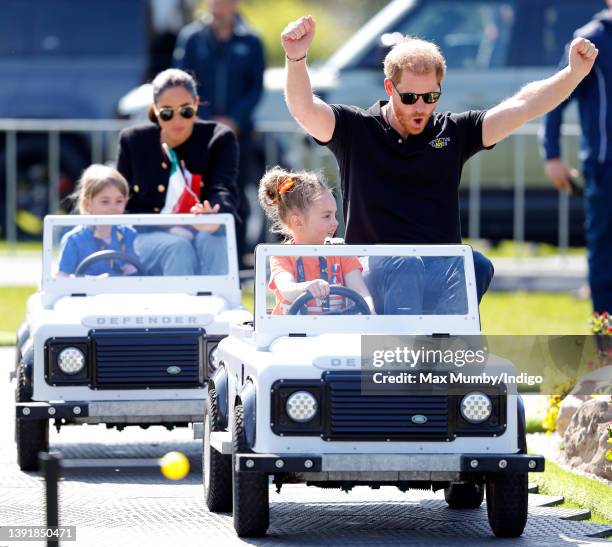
{"points": [[440, 142]]}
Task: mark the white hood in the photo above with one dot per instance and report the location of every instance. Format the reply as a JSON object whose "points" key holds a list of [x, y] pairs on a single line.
{"points": [[146, 310], [326, 351]]}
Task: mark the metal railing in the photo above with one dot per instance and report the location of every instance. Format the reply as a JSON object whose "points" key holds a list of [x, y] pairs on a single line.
{"points": [[474, 178], [96, 129], [281, 142]]}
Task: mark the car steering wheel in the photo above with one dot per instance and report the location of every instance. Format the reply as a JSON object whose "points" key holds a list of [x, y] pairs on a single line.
{"points": [[359, 304], [109, 254]]}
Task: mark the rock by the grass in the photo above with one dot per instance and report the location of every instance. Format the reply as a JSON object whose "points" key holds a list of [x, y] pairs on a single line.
{"points": [[568, 408], [596, 382], [586, 436]]}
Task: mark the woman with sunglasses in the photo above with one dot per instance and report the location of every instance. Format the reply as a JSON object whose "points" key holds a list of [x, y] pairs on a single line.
{"points": [[204, 154]]}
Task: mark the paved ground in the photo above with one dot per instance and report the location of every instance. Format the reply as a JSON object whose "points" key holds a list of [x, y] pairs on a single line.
{"points": [[20, 269], [146, 509], [550, 274]]}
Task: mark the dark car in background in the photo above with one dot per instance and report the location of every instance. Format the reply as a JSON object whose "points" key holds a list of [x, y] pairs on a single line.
{"points": [[72, 59]]}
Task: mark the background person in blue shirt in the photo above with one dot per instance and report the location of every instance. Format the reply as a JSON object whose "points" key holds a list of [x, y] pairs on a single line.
{"points": [[594, 96], [102, 190], [227, 59]]}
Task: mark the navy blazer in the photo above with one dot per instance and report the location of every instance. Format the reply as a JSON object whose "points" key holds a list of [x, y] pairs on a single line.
{"points": [[211, 151]]}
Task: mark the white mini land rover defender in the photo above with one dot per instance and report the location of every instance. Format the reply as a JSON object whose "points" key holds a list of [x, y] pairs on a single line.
{"points": [[298, 396], [110, 339]]}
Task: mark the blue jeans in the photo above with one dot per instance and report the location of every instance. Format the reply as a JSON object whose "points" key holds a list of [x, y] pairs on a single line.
{"points": [[163, 253], [598, 232], [405, 285], [396, 284], [211, 249]]}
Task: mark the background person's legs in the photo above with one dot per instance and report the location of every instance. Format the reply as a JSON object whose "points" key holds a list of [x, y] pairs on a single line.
{"points": [[483, 269], [598, 231], [396, 284], [445, 290], [162, 253], [211, 251]]}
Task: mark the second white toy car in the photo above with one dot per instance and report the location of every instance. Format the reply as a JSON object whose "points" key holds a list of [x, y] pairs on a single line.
{"points": [[116, 341]]}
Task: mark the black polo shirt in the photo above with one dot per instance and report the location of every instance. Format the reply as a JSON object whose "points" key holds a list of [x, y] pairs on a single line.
{"points": [[399, 190]]}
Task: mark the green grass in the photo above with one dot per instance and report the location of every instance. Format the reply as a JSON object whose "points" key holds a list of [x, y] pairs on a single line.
{"points": [[534, 425], [336, 22], [7, 338], [534, 313], [12, 311], [21, 246], [248, 300], [578, 491], [523, 313], [500, 313], [13, 307], [510, 249]]}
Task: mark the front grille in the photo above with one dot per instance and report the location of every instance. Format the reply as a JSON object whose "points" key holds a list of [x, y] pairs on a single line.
{"points": [[157, 358], [353, 415]]}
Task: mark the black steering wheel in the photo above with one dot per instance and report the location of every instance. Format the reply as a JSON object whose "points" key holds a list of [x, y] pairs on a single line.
{"points": [[109, 254], [359, 304]]}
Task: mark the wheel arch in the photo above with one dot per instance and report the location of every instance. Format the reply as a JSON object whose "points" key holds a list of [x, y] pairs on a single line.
{"points": [[521, 425], [218, 382], [247, 398]]}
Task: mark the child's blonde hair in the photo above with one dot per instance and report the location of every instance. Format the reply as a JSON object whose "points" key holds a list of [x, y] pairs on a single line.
{"points": [[95, 179], [282, 192]]}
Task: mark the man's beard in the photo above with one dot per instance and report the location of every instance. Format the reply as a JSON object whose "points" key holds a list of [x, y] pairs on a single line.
{"points": [[407, 123]]}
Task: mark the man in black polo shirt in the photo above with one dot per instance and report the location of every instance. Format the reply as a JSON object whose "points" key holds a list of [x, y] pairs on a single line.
{"points": [[400, 162]]}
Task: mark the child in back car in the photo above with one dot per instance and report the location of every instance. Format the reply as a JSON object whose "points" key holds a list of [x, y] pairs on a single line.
{"points": [[302, 207], [102, 190]]}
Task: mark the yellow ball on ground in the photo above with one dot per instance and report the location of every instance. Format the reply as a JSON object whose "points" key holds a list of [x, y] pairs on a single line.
{"points": [[174, 466]]}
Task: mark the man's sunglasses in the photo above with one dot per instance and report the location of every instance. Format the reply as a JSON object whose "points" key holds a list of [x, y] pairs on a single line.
{"points": [[167, 113], [430, 97]]}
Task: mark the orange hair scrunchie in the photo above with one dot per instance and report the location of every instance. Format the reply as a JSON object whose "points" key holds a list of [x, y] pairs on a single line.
{"points": [[285, 186]]}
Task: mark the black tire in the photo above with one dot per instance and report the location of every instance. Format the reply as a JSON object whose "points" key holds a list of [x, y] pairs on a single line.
{"points": [[507, 504], [464, 496], [251, 502], [31, 436], [18, 357], [216, 467], [521, 427]]}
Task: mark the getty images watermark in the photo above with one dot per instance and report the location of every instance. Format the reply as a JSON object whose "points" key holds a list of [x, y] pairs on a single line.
{"points": [[517, 363], [443, 359]]}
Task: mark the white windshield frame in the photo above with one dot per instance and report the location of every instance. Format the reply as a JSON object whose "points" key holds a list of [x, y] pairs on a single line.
{"points": [[54, 286], [269, 327]]}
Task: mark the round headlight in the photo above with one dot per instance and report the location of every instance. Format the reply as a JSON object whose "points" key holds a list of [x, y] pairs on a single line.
{"points": [[71, 360], [213, 362], [476, 407], [301, 406]]}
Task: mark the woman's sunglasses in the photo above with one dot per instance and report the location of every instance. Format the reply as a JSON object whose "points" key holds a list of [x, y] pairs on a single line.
{"points": [[430, 97], [166, 114]]}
